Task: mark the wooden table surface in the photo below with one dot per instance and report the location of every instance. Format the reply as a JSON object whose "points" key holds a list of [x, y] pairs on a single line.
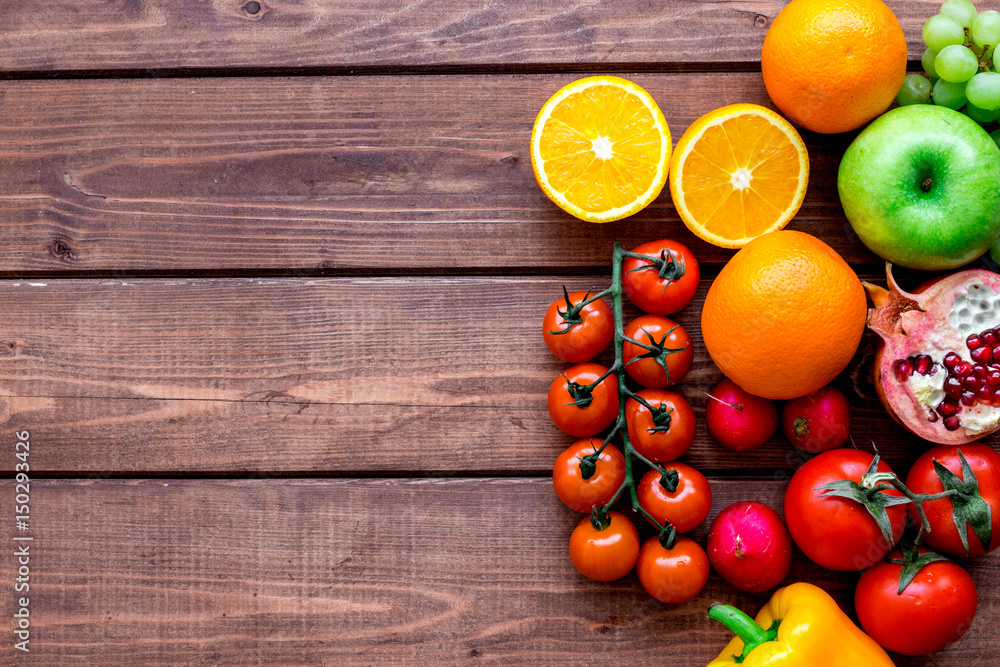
{"points": [[271, 283]]}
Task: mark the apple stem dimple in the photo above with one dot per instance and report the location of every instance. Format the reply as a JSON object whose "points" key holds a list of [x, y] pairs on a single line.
{"points": [[926, 184]]}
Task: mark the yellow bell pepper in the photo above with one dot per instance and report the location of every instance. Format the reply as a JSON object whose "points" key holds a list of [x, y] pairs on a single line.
{"points": [[801, 626]]}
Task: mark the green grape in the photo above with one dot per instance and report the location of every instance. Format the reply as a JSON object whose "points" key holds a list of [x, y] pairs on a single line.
{"points": [[983, 90], [956, 64], [996, 61], [916, 90], [986, 29], [981, 116], [963, 11], [995, 134], [947, 94], [941, 31], [927, 60]]}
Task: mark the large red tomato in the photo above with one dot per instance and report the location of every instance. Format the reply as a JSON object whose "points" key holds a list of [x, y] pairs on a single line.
{"points": [[672, 575], [606, 474], [665, 282], [977, 500], [580, 409], [672, 348], [835, 532], [935, 609], [665, 435], [576, 334], [608, 553], [686, 506]]}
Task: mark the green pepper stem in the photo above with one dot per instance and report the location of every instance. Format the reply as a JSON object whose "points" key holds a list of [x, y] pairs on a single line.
{"points": [[741, 625]]}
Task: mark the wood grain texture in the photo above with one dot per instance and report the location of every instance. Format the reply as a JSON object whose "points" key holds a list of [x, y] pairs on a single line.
{"points": [[372, 572], [337, 375], [324, 175], [394, 34]]}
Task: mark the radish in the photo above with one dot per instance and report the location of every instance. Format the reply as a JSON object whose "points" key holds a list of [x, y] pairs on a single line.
{"points": [[738, 420], [749, 546], [817, 422]]}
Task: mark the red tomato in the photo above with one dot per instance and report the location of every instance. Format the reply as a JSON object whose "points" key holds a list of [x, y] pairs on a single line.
{"points": [[672, 575], [664, 283], [934, 610], [584, 421], [673, 437], [583, 494], [608, 554], [685, 507], [578, 334], [661, 333], [838, 533], [984, 462]]}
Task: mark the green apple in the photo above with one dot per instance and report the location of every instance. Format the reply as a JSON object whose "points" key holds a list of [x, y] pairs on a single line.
{"points": [[921, 187]]}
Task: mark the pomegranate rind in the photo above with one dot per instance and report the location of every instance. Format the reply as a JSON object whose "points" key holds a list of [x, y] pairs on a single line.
{"points": [[922, 321]]}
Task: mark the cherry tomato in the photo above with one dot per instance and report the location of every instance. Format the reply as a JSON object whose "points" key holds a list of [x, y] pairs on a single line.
{"points": [[672, 575], [934, 610], [577, 334], [606, 476], [669, 439], [686, 506], [584, 421], [664, 334], [664, 283], [984, 462], [608, 554], [838, 533]]}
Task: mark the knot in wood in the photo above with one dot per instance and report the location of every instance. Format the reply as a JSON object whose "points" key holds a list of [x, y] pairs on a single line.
{"points": [[61, 249]]}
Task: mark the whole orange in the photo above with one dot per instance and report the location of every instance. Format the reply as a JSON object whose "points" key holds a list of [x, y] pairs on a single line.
{"points": [[833, 65], [784, 316]]}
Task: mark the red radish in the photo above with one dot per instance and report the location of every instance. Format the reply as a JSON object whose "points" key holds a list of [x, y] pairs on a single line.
{"points": [[749, 546], [739, 420], [817, 422]]}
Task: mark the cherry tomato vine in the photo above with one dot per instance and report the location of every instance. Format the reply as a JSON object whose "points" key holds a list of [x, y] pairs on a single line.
{"points": [[667, 266]]}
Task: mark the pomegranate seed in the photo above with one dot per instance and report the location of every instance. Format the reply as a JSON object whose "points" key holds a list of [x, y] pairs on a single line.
{"points": [[985, 394], [995, 353], [950, 360], [983, 355], [973, 341], [934, 369], [971, 383], [989, 338], [902, 369], [993, 378], [922, 364], [968, 399], [980, 371], [952, 423], [953, 387], [947, 408], [962, 368], [932, 416]]}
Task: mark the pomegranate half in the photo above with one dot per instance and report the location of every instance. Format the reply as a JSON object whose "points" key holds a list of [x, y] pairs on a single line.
{"points": [[938, 368]]}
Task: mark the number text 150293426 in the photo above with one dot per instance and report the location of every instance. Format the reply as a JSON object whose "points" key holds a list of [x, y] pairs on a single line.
{"points": [[22, 542]]}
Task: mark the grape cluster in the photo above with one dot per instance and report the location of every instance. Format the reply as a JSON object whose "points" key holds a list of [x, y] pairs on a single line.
{"points": [[961, 61]]}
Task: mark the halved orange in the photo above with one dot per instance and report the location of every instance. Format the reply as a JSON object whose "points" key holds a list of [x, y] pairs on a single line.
{"points": [[738, 172], [600, 148]]}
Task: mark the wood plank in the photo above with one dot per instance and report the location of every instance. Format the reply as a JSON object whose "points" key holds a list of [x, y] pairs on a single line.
{"points": [[363, 572], [322, 175], [353, 375], [393, 34]]}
